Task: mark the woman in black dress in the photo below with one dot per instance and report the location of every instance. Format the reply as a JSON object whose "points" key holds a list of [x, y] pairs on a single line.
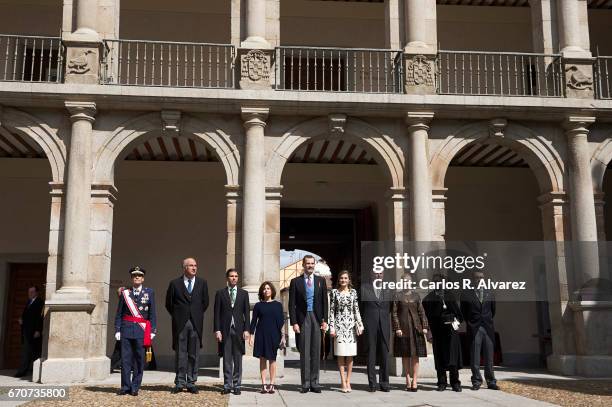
{"points": [[267, 328]]}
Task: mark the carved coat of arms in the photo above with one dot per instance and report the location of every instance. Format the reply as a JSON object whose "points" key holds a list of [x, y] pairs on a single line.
{"points": [[419, 71], [254, 66]]}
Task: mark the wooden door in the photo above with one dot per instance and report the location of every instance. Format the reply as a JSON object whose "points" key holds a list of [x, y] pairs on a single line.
{"points": [[21, 277]]}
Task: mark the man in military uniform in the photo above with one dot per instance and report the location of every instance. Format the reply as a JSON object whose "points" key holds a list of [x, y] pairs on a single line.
{"points": [[135, 327]]}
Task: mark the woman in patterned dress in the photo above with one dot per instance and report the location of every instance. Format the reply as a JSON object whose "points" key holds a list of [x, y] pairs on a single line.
{"points": [[344, 326], [410, 327]]}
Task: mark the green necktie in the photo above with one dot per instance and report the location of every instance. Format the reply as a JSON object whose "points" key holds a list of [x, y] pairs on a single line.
{"points": [[233, 295], [481, 295]]}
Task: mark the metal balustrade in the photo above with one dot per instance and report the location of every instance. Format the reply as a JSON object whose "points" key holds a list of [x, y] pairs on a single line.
{"points": [[31, 58], [175, 64], [499, 74], [602, 70], [339, 69]]}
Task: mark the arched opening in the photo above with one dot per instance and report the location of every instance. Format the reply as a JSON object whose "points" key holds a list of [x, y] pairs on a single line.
{"points": [[171, 205], [25, 216], [492, 196]]}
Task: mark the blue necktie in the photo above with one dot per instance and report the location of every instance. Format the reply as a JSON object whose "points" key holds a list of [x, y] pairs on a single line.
{"points": [[189, 286]]}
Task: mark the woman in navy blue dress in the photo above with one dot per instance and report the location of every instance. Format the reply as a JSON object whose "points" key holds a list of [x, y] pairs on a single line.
{"points": [[267, 328]]}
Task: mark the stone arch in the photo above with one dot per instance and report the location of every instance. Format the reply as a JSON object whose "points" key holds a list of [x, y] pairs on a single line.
{"points": [[132, 131], [602, 156], [543, 159], [42, 134], [383, 148]]}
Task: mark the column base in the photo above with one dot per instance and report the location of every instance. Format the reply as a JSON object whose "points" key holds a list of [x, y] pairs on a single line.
{"points": [[562, 364], [71, 370]]}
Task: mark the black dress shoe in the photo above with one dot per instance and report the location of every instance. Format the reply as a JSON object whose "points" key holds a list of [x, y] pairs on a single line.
{"points": [[493, 387], [457, 388], [237, 392], [371, 389], [385, 389], [20, 374], [441, 387], [475, 387], [304, 390], [226, 391], [122, 393], [315, 389], [193, 390], [134, 393], [176, 389]]}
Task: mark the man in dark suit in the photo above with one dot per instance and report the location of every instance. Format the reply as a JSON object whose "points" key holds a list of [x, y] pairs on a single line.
{"points": [[308, 313], [376, 311], [31, 322], [478, 309], [135, 327], [186, 301], [231, 326]]}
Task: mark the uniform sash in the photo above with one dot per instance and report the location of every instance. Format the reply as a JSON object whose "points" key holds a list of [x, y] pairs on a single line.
{"points": [[136, 317]]}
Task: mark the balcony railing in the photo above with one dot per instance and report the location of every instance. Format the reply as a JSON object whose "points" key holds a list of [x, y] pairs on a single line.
{"points": [[338, 69], [603, 69], [499, 74], [31, 59], [176, 64]]}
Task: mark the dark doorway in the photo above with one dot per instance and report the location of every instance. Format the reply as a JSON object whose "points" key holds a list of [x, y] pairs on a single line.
{"points": [[21, 277], [336, 236], [333, 234]]}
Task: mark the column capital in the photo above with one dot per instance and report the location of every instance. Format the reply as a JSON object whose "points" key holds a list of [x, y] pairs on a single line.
{"points": [[396, 194], [81, 111], [233, 192], [105, 191], [254, 116], [419, 120], [274, 193], [577, 125]]}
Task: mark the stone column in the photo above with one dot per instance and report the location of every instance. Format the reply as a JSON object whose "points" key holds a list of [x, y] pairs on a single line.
{"points": [[399, 215], [574, 45], [272, 235], [419, 178], [420, 48], [438, 214], [255, 24], [83, 44], [67, 357], [78, 200], [394, 24], [554, 208], [254, 203], [103, 198], [583, 220], [233, 202], [544, 26]]}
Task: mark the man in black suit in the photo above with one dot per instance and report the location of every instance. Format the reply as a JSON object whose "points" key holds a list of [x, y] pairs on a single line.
{"points": [[308, 313], [186, 301], [478, 309], [31, 322], [376, 311], [231, 328]]}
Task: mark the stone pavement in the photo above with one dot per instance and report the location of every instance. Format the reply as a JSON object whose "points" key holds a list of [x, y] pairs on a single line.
{"points": [[289, 394]]}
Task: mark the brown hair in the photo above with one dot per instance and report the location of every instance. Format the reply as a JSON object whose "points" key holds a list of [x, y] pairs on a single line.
{"points": [[261, 291], [340, 274]]}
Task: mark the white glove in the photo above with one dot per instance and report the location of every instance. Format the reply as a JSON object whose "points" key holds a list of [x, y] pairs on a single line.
{"points": [[455, 324], [152, 336], [118, 336]]}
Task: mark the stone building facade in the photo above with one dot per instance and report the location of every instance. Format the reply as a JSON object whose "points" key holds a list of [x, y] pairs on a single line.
{"points": [[186, 128]]}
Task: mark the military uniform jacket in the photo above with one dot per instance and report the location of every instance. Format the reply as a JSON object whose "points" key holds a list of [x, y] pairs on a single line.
{"points": [[145, 302]]}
